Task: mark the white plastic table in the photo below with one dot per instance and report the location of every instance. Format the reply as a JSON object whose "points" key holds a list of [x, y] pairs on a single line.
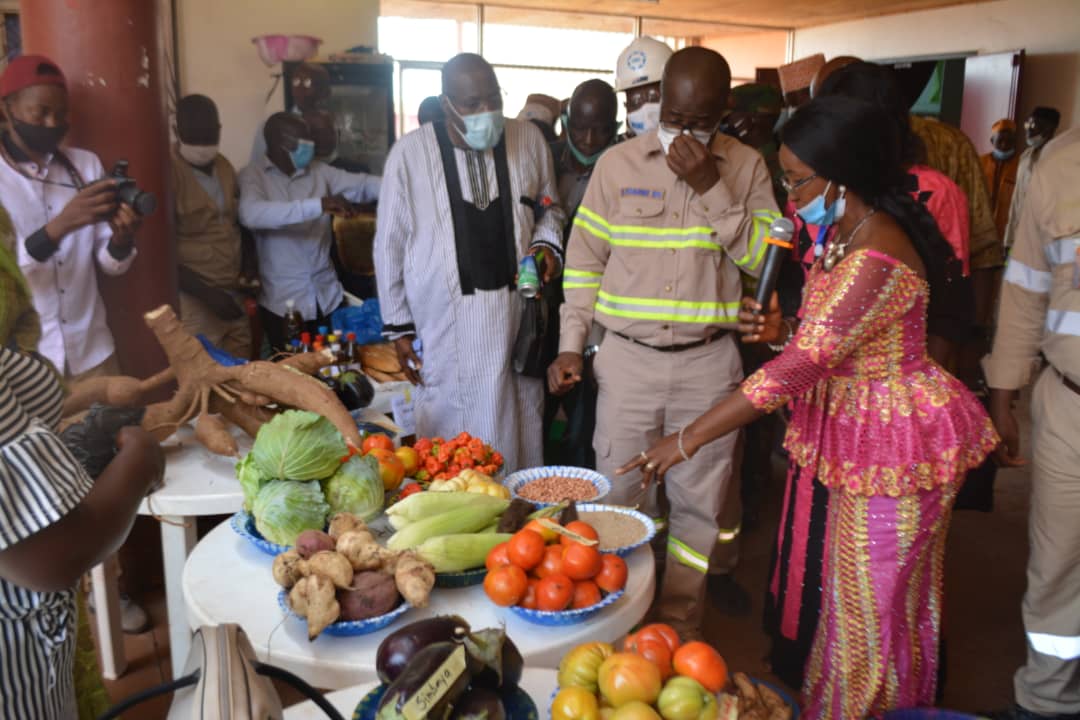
{"points": [[538, 683], [227, 579]]}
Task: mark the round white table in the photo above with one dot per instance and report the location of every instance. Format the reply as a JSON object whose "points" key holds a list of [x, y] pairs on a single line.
{"points": [[538, 683], [227, 579]]}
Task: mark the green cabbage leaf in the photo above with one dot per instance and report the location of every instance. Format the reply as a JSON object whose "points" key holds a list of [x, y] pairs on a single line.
{"points": [[298, 445], [283, 509]]}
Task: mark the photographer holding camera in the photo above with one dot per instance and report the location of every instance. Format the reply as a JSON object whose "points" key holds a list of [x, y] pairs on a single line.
{"points": [[68, 222]]}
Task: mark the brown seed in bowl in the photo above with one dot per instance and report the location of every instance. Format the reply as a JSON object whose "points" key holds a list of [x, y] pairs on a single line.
{"points": [[557, 488]]}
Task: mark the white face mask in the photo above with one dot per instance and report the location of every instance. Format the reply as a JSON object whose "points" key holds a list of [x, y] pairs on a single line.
{"points": [[666, 136], [198, 155], [645, 119]]}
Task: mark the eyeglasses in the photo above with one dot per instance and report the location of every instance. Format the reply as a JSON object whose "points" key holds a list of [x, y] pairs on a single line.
{"points": [[790, 187]]}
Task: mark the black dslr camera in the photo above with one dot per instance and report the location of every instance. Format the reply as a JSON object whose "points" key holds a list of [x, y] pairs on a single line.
{"points": [[127, 191]]}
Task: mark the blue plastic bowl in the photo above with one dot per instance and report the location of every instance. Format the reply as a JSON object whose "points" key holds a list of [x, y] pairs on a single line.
{"points": [[517, 704], [244, 525], [351, 628], [517, 480], [563, 618], [463, 579], [624, 550]]}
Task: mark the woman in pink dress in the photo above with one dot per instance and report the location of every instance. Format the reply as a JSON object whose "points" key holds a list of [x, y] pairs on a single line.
{"points": [[874, 419]]}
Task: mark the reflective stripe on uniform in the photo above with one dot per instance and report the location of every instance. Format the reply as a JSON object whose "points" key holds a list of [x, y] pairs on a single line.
{"points": [[574, 279], [646, 237], [729, 536], [1060, 646], [686, 555], [682, 311], [1027, 277], [1063, 322], [661, 524], [1062, 251], [760, 222]]}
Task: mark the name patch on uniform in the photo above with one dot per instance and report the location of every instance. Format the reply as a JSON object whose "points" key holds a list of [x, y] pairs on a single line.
{"points": [[642, 192]]}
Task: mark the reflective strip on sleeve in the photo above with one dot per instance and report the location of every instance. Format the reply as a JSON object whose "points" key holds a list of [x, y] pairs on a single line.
{"points": [[660, 523], [682, 311], [645, 237], [729, 536], [1062, 251], [591, 223], [685, 555], [573, 279], [1032, 280], [1063, 322], [1064, 647], [759, 231]]}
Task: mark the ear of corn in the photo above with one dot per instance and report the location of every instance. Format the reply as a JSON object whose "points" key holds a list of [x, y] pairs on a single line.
{"points": [[454, 553], [469, 519], [426, 504]]}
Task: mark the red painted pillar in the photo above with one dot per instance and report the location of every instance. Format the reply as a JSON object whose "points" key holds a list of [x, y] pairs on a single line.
{"points": [[118, 80]]}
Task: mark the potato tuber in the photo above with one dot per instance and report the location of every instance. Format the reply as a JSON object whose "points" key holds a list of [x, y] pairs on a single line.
{"points": [[331, 565], [343, 522], [362, 551], [314, 598], [372, 594], [310, 542], [414, 578], [287, 568]]}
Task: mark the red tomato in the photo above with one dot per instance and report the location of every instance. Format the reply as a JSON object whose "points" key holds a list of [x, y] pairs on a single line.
{"points": [[612, 576], [554, 593], [497, 557], [581, 562], [625, 677], [657, 652], [700, 661], [525, 549], [660, 632], [506, 585], [377, 440], [552, 562], [578, 527], [586, 594], [529, 599]]}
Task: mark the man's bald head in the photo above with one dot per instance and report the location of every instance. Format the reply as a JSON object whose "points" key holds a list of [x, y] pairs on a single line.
{"points": [[594, 97], [695, 88], [837, 63], [310, 86], [197, 121], [591, 117], [469, 87]]}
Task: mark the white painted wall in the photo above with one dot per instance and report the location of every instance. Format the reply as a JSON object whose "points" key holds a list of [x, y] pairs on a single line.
{"points": [[217, 58], [1049, 30]]}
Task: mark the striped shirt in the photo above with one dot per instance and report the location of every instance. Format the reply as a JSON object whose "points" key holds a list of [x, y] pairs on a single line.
{"points": [[651, 259], [40, 482], [1040, 302]]}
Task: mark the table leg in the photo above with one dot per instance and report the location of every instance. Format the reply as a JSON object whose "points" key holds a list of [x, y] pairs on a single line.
{"points": [[107, 614], [177, 540]]}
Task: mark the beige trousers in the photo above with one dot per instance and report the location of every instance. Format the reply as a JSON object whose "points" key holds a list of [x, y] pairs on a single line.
{"points": [[232, 336], [644, 395]]}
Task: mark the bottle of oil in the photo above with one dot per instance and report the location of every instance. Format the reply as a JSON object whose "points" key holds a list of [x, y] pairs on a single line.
{"points": [[294, 322]]}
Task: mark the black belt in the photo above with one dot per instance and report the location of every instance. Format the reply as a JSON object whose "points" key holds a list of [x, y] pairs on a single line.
{"points": [[676, 348], [1067, 382]]}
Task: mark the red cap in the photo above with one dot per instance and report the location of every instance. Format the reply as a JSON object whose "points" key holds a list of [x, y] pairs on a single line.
{"points": [[29, 70]]}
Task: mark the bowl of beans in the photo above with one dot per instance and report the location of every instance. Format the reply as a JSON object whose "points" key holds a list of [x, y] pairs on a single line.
{"points": [[551, 485]]}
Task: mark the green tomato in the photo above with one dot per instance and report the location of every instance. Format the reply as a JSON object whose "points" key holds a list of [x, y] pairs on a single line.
{"points": [[575, 703], [684, 698], [579, 667]]}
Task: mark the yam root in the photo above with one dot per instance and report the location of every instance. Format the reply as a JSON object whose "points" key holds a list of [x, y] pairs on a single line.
{"points": [[287, 568], [344, 522], [331, 565], [309, 363], [214, 434], [204, 385], [114, 391], [362, 551], [314, 598], [414, 578]]}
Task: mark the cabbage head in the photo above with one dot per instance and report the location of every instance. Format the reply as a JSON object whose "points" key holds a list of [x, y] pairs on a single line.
{"points": [[283, 509], [251, 480], [298, 445], [356, 488]]}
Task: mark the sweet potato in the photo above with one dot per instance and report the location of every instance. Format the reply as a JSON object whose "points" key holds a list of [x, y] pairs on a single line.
{"points": [[343, 522], [331, 565], [372, 594], [362, 551], [314, 598], [310, 542], [286, 568], [414, 579]]}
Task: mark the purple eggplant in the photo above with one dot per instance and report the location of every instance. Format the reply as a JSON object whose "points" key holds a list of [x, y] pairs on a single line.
{"points": [[398, 648]]}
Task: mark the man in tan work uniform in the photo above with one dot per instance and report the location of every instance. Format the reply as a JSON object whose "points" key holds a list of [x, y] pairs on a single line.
{"points": [[208, 240], [655, 256], [1040, 311]]}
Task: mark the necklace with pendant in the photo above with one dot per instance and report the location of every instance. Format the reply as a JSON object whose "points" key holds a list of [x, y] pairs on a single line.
{"points": [[836, 250]]}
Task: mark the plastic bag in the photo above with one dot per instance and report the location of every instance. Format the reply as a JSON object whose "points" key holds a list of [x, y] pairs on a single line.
{"points": [[92, 440], [364, 320]]}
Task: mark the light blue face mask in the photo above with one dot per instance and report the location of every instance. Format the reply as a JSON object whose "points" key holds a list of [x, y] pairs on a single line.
{"points": [[815, 212], [586, 160], [304, 153], [1002, 155], [482, 130]]}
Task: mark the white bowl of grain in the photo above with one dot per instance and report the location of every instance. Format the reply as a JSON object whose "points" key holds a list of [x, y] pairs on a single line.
{"points": [[553, 484], [621, 530]]}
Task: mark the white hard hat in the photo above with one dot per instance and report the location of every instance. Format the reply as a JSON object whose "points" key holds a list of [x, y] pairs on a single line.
{"points": [[641, 63]]}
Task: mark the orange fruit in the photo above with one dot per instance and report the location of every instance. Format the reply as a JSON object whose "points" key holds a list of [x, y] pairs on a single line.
{"points": [[525, 549], [581, 562]]}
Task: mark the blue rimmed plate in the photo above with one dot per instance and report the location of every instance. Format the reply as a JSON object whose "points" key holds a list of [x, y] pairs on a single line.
{"points": [[463, 579], [562, 618], [350, 628], [519, 479], [243, 524], [517, 704], [645, 520]]}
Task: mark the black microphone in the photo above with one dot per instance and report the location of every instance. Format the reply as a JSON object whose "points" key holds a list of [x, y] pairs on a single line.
{"points": [[779, 240]]}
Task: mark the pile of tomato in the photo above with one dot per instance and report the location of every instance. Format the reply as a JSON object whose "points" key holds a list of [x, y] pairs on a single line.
{"points": [[540, 568], [442, 459], [655, 677]]}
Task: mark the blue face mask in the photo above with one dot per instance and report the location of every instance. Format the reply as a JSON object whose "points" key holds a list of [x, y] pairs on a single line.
{"points": [[304, 153], [1002, 155], [815, 212], [586, 160], [482, 130]]}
